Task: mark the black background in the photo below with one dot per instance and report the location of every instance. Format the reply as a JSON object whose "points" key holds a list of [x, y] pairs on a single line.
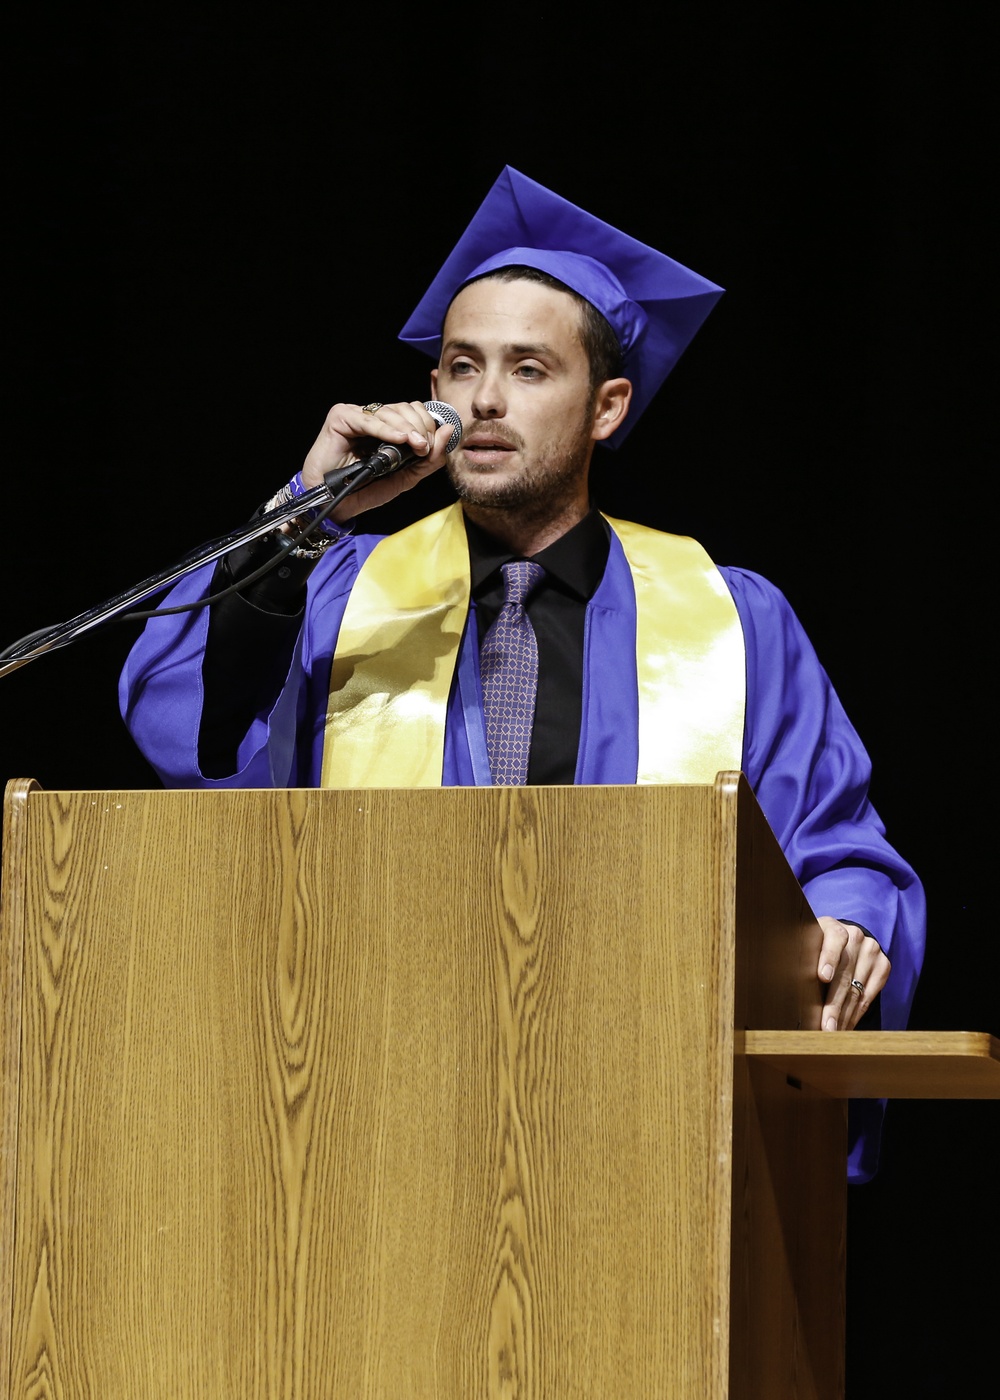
{"points": [[220, 220]]}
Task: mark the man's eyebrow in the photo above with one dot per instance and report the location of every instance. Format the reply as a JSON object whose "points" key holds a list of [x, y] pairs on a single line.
{"points": [[536, 348]]}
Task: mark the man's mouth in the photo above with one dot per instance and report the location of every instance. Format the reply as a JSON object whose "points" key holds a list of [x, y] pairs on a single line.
{"points": [[486, 448]]}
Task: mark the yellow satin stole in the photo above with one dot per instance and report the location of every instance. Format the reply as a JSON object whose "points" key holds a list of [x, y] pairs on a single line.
{"points": [[399, 642]]}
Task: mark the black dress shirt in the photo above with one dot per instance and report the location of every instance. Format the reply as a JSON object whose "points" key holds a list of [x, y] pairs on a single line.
{"points": [[574, 566]]}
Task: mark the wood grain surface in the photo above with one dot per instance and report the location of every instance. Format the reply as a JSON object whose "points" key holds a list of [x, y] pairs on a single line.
{"points": [[383, 1094], [886, 1064], [12, 920]]}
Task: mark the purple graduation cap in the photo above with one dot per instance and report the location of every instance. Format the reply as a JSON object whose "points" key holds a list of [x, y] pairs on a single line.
{"points": [[653, 304]]}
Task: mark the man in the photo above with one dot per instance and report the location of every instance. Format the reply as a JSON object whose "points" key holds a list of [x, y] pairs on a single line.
{"points": [[521, 637]]}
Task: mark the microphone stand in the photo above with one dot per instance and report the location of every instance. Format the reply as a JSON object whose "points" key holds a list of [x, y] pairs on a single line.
{"points": [[337, 485]]}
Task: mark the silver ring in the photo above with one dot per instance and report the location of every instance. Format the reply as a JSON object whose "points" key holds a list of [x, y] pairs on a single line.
{"points": [[859, 987], [371, 408]]}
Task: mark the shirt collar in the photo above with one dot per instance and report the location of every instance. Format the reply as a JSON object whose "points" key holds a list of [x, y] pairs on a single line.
{"points": [[576, 560]]}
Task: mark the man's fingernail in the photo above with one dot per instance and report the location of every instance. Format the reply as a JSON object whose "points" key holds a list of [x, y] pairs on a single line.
{"points": [[826, 972]]}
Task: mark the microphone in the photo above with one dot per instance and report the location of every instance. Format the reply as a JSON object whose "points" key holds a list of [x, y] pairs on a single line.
{"points": [[389, 456]]}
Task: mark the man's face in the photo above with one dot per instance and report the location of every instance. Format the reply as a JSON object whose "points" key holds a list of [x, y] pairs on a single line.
{"points": [[514, 367]]}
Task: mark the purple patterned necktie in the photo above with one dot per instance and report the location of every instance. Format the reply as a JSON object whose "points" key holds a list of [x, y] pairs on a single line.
{"points": [[508, 665]]}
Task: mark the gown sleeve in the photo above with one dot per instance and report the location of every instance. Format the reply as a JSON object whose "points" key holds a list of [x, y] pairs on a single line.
{"points": [[162, 689], [810, 773]]}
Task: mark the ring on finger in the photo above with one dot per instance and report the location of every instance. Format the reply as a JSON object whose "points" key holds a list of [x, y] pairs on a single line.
{"points": [[859, 987], [371, 408]]}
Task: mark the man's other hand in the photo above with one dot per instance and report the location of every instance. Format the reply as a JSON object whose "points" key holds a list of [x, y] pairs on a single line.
{"points": [[855, 970]]}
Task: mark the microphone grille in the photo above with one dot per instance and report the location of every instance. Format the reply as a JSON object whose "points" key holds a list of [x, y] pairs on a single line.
{"points": [[444, 413]]}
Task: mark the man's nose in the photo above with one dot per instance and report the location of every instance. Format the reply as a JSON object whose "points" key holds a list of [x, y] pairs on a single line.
{"points": [[489, 400]]}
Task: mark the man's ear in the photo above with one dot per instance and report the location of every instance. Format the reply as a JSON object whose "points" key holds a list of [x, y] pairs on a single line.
{"points": [[434, 386], [611, 404]]}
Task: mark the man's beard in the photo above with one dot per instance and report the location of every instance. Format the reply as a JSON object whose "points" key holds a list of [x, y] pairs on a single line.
{"points": [[542, 486]]}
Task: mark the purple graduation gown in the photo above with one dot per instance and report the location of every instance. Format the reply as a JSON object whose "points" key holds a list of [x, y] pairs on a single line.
{"points": [[801, 755]]}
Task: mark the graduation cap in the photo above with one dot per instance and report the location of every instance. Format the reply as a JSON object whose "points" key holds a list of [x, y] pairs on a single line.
{"points": [[653, 304]]}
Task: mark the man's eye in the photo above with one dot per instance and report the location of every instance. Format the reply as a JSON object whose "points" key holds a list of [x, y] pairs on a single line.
{"points": [[529, 372], [461, 367]]}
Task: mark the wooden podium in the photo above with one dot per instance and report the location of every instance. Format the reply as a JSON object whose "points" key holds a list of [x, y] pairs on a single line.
{"points": [[454, 1094]]}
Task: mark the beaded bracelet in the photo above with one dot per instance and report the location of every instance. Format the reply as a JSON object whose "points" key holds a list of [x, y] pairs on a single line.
{"points": [[329, 531]]}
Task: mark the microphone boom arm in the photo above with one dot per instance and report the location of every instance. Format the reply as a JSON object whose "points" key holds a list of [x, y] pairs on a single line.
{"points": [[337, 484], [62, 634]]}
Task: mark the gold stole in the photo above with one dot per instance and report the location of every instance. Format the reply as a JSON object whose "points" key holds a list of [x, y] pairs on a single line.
{"points": [[402, 629]]}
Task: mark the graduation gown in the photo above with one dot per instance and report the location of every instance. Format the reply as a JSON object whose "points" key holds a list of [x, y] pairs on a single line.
{"points": [[801, 755]]}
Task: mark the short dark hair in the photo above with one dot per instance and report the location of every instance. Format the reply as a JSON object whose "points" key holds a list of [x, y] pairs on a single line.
{"points": [[604, 354]]}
